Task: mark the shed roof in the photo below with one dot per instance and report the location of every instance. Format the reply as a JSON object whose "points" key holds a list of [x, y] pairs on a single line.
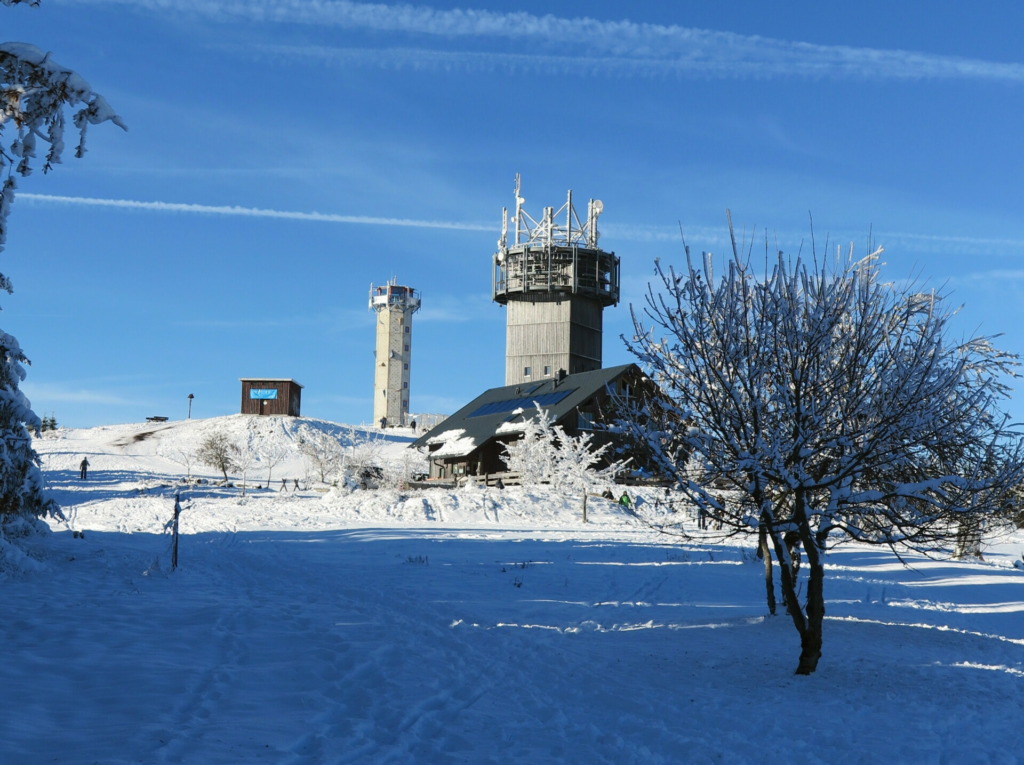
{"points": [[495, 411], [270, 379]]}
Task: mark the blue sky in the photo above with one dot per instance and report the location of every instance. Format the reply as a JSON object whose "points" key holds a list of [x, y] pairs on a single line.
{"points": [[282, 155]]}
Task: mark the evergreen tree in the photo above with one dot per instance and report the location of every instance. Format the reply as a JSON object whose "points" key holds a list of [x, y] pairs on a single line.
{"points": [[21, 482], [35, 92]]}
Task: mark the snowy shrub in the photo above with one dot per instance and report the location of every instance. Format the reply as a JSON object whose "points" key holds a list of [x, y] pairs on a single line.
{"points": [[547, 454]]}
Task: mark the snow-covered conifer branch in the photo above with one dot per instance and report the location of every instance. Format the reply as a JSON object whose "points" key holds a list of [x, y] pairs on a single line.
{"points": [[34, 92]]}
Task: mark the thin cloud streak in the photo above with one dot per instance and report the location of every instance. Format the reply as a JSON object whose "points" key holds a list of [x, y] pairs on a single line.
{"points": [[255, 212], [698, 237], [50, 393], [644, 46]]}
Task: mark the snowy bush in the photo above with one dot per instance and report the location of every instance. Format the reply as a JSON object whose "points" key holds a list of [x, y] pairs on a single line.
{"points": [[547, 454]]}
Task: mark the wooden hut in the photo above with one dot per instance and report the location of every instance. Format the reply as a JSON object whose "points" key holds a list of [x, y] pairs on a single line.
{"points": [[271, 395]]}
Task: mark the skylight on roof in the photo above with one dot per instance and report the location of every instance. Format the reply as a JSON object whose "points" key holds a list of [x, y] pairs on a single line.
{"points": [[523, 402]]}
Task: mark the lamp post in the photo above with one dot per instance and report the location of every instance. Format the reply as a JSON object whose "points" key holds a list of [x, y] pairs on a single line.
{"points": [[190, 397]]}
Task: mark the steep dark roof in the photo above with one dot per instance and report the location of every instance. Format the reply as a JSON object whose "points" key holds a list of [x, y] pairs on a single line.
{"points": [[478, 421]]}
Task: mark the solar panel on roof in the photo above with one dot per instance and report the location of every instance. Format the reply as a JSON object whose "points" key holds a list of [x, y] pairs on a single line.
{"points": [[522, 402]]}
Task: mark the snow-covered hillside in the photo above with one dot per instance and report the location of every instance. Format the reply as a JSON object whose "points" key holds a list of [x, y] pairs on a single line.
{"points": [[470, 626]]}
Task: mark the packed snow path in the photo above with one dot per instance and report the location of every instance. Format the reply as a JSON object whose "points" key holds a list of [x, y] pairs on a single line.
{"points": [[475, 626], [397, 645]]}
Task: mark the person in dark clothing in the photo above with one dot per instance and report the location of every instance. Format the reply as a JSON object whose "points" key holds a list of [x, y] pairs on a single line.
{"points": [[84, 467]]}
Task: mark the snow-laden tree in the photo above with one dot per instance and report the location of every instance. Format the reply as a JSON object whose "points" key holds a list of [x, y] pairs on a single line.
{"points": [[245, 458], [34, 91], [218, 451], [545, 453], [183, 456], [271, 453], [532, 455], [817, 404], [21, 482], [321, 451]]}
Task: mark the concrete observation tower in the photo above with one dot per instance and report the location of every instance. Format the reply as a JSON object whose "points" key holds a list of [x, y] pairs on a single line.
{"points": [[555, 283], [394, 306]]}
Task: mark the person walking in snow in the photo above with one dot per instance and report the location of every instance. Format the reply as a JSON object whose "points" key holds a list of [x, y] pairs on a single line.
{"points": [[83, 467], [624, 500]]}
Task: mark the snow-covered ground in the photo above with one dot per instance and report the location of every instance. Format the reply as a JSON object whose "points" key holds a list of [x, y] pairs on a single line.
{"points": [[476, 626]]}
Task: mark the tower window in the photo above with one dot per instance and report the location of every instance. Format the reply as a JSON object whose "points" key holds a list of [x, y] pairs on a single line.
{"points": [[407, 330], [527, 371], [547, 370]]}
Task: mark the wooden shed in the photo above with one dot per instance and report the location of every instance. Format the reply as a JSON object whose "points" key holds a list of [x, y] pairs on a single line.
{"points": [[271, 395]]}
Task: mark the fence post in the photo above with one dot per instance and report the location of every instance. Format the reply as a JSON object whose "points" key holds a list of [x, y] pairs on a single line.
{"points": [[174, 532]]}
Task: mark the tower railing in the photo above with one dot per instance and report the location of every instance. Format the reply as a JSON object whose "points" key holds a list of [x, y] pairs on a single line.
{"points": [[557, 255]]}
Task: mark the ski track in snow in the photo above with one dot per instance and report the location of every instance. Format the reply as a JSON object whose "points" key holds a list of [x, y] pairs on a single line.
{"points": [[471, 627]]}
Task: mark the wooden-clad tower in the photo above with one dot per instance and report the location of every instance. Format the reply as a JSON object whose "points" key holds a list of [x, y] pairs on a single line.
{"points": [[555, 282]]}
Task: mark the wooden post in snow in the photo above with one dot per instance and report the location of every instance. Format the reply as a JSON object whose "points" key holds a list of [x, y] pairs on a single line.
{"points": [[174, 532]]}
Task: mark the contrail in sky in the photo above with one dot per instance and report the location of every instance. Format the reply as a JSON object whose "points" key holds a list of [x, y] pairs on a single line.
{"points": [[632, 47], [706, 235], [256, 212]]}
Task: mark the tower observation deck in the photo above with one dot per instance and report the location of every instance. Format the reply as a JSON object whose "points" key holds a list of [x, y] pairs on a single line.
{"points": [[555, 282], [394, 306]]}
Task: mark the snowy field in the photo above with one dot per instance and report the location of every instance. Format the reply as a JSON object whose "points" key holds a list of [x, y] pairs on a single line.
{"points": [[474, 626]]}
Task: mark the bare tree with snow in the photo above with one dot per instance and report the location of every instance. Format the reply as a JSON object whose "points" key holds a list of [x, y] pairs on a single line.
{"points": [[322, 452], [34, 91], [218, 451], [271, 453], [183, 456], [827, 406]]}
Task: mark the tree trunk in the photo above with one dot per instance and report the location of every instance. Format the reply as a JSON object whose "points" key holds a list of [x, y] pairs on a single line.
{"points": [[764, 551], [810, 638], [787, 585], [968, 538]]}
